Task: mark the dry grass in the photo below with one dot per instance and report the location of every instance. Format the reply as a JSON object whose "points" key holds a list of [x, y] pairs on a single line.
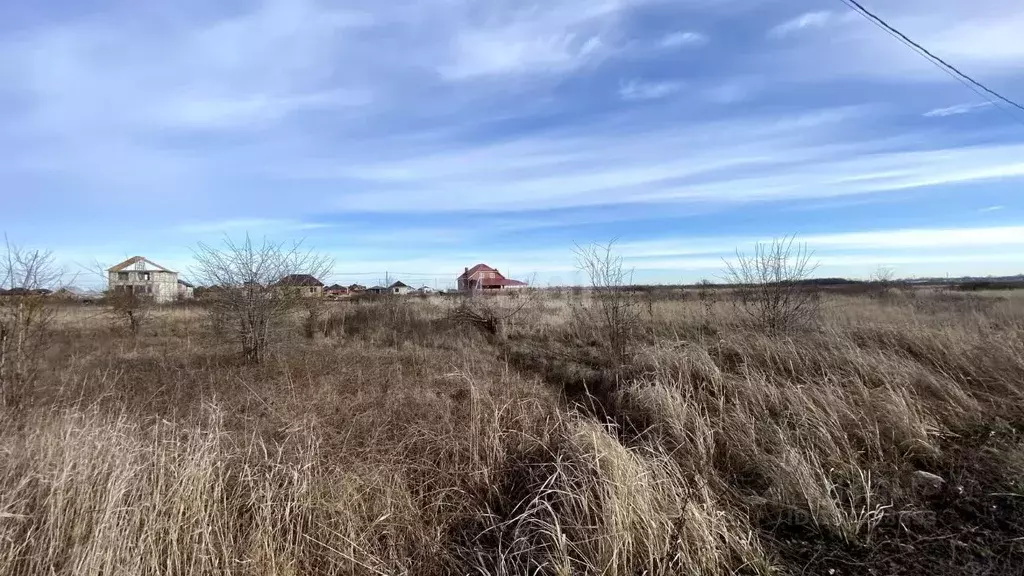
{"points": [[404, 443]]}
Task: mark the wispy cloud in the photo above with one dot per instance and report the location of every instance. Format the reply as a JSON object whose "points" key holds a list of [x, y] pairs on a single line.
{"points": [[802, 22], [957, 110], [254, 111], [254, 225], [635, 90], [992, 209], [682, 38], [539, 38]]}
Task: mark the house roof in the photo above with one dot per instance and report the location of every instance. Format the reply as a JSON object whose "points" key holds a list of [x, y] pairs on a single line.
{"points": [[336, 287], [399, 284], [300, 280], [477, 268], [184, 283], [135, 260], [357, 287], [501, 282]]}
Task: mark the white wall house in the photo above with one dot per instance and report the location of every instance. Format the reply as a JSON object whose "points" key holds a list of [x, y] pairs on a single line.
{"points": [[137, 275]]}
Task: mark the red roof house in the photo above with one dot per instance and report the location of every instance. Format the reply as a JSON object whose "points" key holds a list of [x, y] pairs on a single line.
{"points": [[483, 277], [337, 290]]}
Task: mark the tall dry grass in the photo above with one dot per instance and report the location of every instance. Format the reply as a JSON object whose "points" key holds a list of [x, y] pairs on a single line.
{"points": [[403, 443]]}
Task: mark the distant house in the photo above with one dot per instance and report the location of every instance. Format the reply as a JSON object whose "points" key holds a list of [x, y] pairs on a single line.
{"points": [[29, 292], [377, 290], [399, 288], [356, 288], [337, 291], [185, 290], [484, 278], [143, 277], [425, 290], [306, 284]]}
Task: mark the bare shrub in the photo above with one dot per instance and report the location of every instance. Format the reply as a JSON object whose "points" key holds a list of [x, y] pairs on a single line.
{"points": [[26, 277], [248, 296], [771, 285], [882, 281], [612, 311], [129, 309], [492, 313]]}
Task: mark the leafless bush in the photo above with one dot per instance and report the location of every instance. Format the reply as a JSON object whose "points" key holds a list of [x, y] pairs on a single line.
{"points": [[492, 313], [882, 281], [612, 311], [26, 277], [129, 308], [771, 286], [247, 295]]}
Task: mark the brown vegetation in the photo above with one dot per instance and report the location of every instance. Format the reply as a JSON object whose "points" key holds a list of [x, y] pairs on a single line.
{"points": [[882, 435]]}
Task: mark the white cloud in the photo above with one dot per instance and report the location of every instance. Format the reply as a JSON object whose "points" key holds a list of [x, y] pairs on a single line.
{"points": [[481, 53], [930, 238], [680, 39], [199, 111], [891, 241], [250, 225], [556, 36], [984, 40], [802, 22], [918, 251], [635, 90], [745, 159], [957, 110], [991, 209]]}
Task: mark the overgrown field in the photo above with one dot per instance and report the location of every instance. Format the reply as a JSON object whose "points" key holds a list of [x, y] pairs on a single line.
{"points": [[882, 436]]}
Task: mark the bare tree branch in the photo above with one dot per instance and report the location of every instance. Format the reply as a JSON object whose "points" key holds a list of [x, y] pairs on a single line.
{"points": [[770, 284], [613, 310], [243, 281], [26, 316]]}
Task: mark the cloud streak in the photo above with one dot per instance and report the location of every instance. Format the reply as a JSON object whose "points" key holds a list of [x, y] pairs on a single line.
{"points": [[957, 110], [805, 21], [635, 90]]}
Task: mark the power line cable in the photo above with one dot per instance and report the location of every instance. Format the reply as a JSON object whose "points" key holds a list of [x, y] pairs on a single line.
{"points": [[957, 74]]}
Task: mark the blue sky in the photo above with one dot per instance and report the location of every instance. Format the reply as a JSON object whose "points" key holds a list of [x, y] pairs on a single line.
{"points": [[419, 137]]}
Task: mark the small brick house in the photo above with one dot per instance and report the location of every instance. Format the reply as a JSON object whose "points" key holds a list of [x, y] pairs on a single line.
{"points": [[484, 278], [306, 284], [337, 291]]}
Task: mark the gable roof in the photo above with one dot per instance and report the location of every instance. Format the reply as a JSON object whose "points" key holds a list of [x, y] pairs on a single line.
{"points": [[399, 284], [477, 268], [134, 260], [185, 284], [300, 280], [336, 287], [357, 287]]}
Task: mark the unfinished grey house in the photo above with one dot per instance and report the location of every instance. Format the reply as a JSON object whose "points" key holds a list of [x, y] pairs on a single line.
{"points": [[137, 275]]}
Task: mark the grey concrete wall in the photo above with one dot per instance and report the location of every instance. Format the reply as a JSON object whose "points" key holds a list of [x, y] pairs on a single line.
{"points": [[162, 287]]}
